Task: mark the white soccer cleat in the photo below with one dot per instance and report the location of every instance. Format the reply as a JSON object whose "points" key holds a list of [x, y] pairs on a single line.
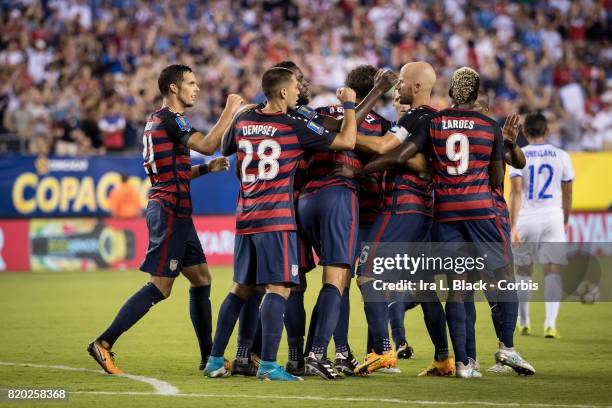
{"points": [[511, 358], [466, 371], [499, 368], [474, 364]]}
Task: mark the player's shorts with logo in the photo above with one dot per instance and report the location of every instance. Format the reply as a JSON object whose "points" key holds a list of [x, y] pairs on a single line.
{"points": [[266, 258], [173, 242], [542, 238], [393, 228], [329, 219], [487, 235]]}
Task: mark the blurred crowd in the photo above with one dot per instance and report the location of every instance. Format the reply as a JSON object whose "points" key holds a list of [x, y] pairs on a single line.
{"points": [[77, 77]]}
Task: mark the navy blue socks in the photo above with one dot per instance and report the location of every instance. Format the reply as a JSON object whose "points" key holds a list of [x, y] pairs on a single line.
{"points": [[228, 315], [295, 323], [341, 332], [201, 317], [247, 325], [272, 310], [329, 302], [132, 311]]}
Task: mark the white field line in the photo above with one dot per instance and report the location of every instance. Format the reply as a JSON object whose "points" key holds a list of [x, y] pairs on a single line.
{"points": [[163, 388]]}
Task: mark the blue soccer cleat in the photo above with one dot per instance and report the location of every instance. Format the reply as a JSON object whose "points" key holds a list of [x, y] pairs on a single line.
{"points": [[270, 371], [215, 367]]}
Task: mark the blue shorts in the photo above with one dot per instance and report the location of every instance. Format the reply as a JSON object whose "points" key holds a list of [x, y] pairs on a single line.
{"points": [[487, 234], [266, 257], [390, 228], [329, 220], [173, 243], [306, 260]]}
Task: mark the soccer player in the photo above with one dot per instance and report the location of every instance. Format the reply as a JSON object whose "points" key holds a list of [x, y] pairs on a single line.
{"points": [[174, 246], [249, 335], [541, 202], [513, 156], [269, 144], [332, 211], [406, 217]]}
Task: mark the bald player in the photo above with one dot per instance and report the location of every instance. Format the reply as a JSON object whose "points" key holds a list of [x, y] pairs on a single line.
{"points": [[406, 216]]}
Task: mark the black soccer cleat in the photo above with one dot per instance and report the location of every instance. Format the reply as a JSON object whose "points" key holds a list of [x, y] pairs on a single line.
{"points": [[405, 351], [322, 367], [244, 367], [296, 368], [346, 363]]}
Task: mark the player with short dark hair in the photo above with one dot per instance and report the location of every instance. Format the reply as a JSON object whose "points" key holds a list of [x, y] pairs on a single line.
{"points": [[174, 246], [249, 331], [269, 144], [330, 215]]}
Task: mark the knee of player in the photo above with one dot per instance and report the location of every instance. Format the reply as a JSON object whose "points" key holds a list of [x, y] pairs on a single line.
{"points": [[242, 291], [164, 285]]}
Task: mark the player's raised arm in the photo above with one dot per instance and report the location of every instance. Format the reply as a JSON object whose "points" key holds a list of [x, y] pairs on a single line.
{"points": [[345, 139], [384, 80], [516, 198], [514, 156], [208, 144], [496, 167]]}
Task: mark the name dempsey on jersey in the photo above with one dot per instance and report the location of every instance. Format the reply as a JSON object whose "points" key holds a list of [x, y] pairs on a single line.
{"points": [[264, 130], [457, 124]]}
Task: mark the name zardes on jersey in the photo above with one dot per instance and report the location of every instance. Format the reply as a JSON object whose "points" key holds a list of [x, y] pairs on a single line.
{"points": [[457, 124], [264, 130]]}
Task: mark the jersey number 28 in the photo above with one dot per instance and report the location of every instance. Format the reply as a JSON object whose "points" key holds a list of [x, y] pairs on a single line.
{"points": [[462, 155], [268, 153]]}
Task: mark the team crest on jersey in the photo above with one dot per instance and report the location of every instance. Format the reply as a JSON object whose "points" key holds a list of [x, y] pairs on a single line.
{"points": [[183, 123], [173, 265], [294, 270], [315, 127], [306, 112]]}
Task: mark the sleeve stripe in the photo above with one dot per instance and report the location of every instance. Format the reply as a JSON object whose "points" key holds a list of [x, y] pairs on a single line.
{"points": [[400, 132]]}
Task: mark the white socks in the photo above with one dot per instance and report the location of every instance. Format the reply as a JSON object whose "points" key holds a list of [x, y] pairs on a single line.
{"points": [[553, 293], [524, 296]]}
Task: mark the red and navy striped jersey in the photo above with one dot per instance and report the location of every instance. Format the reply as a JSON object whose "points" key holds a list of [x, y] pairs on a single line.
{"points": [[167, 161], [405, 191], [321, 164], [269, 148], [462, 144]]}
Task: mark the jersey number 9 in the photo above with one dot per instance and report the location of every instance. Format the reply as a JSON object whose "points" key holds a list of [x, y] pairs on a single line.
{"points": [[462, 155], [268, 153]]}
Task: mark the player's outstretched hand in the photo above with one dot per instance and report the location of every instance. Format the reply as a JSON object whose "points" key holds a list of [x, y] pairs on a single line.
{"points": [[343, 170], [512, 127], [233, 102], [385, 79], [218, 164], [346, 94]]}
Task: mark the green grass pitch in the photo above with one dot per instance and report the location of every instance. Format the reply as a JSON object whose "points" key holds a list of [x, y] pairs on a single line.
{"points": [[48, 319]]}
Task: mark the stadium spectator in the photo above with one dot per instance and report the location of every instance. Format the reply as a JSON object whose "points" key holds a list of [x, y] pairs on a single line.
{"points": [[124, 200], [554, 56]]}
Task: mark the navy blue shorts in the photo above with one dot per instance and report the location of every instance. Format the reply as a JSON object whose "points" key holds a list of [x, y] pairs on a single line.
{"points": [[266, 258], [389, 228], [329, 219], [173, 243], [488, 235], [306, 260]]}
